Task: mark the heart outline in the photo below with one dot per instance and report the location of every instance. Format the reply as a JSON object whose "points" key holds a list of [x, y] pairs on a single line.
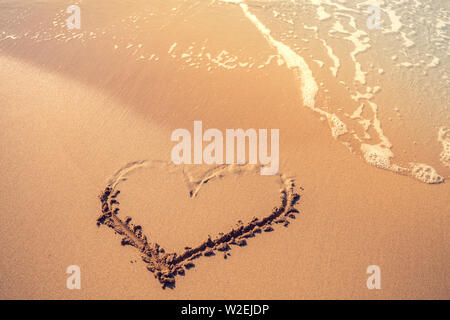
{"points": [[166, 266]]}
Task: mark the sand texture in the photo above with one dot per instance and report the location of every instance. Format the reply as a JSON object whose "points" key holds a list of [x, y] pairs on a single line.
{"points": [[88, 180]]}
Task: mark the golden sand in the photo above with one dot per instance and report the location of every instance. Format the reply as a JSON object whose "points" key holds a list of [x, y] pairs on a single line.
{"points": [[76, 113]]}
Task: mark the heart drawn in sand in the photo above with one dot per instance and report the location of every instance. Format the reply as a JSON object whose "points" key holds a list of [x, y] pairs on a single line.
{"points": [[166, 266]]}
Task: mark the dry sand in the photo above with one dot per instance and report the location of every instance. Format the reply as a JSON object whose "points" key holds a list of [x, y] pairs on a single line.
{"points": [[73, 120]]}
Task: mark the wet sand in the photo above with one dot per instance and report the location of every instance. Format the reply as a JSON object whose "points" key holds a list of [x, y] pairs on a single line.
{"points": [[72, 121]]}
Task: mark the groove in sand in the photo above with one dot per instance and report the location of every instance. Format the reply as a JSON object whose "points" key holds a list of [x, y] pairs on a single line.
{"points": [[166, 266]]}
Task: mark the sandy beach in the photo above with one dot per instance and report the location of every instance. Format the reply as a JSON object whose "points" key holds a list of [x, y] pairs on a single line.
{"points": [[83, 109]]}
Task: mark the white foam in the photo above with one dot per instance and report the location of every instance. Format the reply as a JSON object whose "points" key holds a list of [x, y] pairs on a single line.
{"points": [[378, 156], [444, 139], [425, 173], [172, 48], [338, 128], [333, 57], [358, 96], [11, 36], [406, 41], [225, 60], [360, 46], [434, 63], [319, 62], [323, 15], [293, 60], [271, 57], [357, 113], [396, 24], [334, 4], [377, 125]]}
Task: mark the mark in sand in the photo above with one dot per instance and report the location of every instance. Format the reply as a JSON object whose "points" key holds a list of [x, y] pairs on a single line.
{"points": [[166, 266]]}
